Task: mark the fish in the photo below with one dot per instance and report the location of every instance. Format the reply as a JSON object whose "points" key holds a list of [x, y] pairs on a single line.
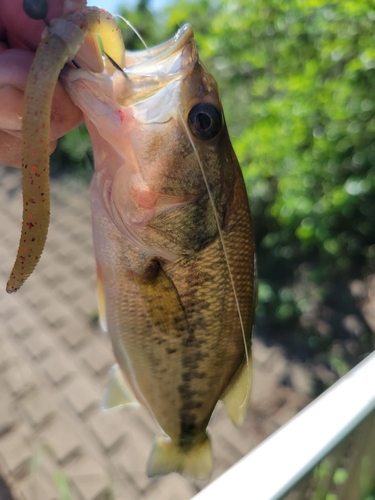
{"points": [[172, 229], [174, 245]]}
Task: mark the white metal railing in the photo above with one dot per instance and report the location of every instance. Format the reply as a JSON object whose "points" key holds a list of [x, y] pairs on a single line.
{"points": [[282, 461]]}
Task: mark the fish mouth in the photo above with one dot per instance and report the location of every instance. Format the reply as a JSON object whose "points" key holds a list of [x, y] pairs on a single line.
{"points": [[164, 58], [145, 72]]}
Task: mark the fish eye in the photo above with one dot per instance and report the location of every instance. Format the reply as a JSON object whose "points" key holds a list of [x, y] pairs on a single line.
{"points": [[205, 120]]}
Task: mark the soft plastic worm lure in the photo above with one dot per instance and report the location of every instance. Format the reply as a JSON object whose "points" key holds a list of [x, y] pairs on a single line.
{"points": [[63, 39]]}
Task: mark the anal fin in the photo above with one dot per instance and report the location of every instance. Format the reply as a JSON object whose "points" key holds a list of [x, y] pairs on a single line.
{"points": [[117, 393], [236, 397]]}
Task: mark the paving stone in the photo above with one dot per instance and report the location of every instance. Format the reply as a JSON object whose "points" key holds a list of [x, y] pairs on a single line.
{"points": [[10, 237], [74, 334], [261, 353], [16, 454], [55, 314], [72, 287], [108, 428], [79, 203], [82, 234], [172, 487], [220, 466], [54, 240], [7, 421], [84, 264], [8, 306], [283, 415], [127, 491], [229, 441], [139, 420], [21, 326], [98, 358], [277, 365], [38, 346], [302, 380], [89, 479], [87, 304], [37, 488], [131, 459], [54, 272], [63, 443], [82, 397], [67, 217], [58, 369], [38, 409], [264, 383], [8, 355], [67, 252], [20, 379], [38, 297]]}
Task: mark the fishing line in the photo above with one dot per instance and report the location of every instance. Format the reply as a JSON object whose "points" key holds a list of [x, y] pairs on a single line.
{"points": [[117, 66], [132, 27], [224, 251]]}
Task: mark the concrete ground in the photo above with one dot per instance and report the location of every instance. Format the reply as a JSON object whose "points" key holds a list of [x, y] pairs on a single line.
{"points": [[54, 365]]}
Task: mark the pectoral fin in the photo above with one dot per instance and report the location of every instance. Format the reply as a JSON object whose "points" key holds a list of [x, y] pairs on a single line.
{"points": [[236, 397], [162, 302], [117, 392]]}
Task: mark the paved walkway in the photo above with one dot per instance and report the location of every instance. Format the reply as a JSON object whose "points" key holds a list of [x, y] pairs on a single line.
{"points": [[54, 364]]}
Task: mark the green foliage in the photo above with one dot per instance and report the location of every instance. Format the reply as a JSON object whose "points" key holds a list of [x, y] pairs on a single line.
{"points": [[151, 28], [297, 85], [62, 485], [74, 154]]}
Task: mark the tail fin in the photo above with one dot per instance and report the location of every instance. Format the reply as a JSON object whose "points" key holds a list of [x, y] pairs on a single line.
{"points": [[167, 457]]}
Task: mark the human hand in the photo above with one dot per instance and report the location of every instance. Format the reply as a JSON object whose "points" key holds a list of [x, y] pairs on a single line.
{"points": [[19, 39]]}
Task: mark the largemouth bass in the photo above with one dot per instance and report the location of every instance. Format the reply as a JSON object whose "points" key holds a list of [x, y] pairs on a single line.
{"points": [[173, 240], [173, 243]]}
